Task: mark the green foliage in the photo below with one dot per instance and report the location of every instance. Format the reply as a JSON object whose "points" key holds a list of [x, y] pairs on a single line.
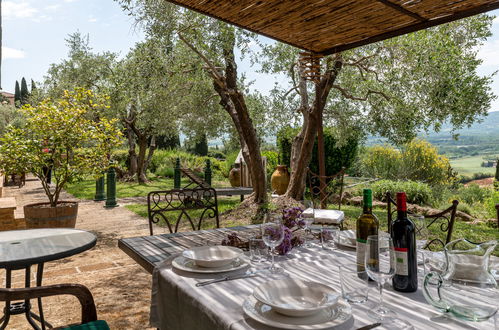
{"points": [[473, 193], [24, 92], [64, 134], [417, 192], [418, 161], [201, 146], [10, 115], [338, 154], [17, 94], [171, 141], [491, 203], [272, 162]]}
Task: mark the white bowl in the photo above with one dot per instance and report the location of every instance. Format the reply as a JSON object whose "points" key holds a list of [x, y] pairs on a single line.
{"points": [[212, 256], [295, 297]]}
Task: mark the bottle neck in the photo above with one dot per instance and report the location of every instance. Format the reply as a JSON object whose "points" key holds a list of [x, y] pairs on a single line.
{"points": [[401, 214], [368, 209]]}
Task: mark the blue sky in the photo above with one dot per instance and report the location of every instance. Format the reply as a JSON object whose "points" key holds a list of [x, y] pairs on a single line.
{"points": [[34, 33]]}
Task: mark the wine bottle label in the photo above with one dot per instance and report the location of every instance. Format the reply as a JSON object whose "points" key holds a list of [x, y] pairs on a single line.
{"points": [[361, 251], [401, 262]]}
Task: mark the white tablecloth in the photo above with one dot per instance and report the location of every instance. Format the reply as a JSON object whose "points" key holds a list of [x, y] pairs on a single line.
{"points": [[178, 304]]}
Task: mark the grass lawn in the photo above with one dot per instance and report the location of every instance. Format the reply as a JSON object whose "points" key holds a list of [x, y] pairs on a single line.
{"points": [[470, 165], [86, 189]]}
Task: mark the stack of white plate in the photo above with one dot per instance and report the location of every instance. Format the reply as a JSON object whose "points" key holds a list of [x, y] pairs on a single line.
{"points": [[297, 304], [210, 259]]}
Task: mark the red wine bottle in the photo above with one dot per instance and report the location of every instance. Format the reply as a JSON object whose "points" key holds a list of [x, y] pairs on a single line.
{"points": [[403, 234]]}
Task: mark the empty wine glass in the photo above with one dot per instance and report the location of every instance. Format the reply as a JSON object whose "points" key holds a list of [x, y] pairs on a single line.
{"points": [[380, 266], [422, 234], [272, 235], [308, 219]]}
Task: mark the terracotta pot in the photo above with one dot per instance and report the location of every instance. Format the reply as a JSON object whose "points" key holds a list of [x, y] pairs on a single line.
{"points": [[280, 179], [235, 176], [42, 215]]}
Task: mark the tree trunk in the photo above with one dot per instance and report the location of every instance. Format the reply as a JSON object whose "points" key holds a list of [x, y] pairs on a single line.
{"points": [[303, 144], [152, 148], [141, 159], [132, 155], [232, 100]]}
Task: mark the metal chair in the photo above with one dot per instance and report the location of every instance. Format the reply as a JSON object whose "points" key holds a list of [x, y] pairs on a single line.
{"points": [[88, 311], [445, 218], [179, 202], [323, 195]]}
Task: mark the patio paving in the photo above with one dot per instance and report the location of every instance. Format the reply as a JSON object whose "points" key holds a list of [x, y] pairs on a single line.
{"points": [[120, 287]]}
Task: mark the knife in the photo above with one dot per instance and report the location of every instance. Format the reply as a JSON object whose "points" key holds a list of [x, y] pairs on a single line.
{"points": [[370, 326], [228, 278]]}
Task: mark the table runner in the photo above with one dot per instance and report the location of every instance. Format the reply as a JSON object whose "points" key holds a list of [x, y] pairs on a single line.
{"points": [[178, 304]]}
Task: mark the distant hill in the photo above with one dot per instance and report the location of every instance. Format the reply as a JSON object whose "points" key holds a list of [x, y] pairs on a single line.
{"points": [[482, 138]]}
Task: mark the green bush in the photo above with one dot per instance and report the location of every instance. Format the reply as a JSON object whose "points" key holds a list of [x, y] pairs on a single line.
{"points": [[272, 162], [337, 156], [417, 192], [473, 194], [120, 156], [491, 204]]}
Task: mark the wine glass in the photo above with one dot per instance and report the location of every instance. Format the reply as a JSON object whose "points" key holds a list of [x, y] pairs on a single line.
{"points": [[422, 235], [380, 266], [307, 220], [272, 235]]}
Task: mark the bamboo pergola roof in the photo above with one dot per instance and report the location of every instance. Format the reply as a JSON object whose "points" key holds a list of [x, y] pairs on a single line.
{"points": [[330, 26]]}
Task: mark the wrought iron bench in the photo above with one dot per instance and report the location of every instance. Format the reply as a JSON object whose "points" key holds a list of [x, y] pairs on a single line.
{"points": [[171, 206], [445, 219]]}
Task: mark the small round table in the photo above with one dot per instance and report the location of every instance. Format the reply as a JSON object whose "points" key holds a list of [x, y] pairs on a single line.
{"points": [[20, 249]]}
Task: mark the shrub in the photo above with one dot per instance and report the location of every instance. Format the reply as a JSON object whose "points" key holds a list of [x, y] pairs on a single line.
{"points": [[417, 192], [337, 155], [491, 204], [381, 162], [418, 161], [473, 194]]}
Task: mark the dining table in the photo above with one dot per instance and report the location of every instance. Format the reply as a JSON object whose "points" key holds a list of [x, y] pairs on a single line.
{"points": [[177, 303], [21, 249]]}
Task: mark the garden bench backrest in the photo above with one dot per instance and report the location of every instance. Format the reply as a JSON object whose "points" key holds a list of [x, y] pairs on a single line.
{"points": [[170, 206], [445, 219], [323, 196]]}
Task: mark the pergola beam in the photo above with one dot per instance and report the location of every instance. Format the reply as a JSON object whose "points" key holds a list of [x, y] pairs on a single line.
{"points": [[402, 10]]}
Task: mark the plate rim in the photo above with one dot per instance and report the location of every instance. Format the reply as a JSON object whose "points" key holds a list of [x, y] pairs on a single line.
{"points": [[280, 325], [214, 270]]}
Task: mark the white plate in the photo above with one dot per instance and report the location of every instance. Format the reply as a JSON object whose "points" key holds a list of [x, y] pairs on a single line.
{"points": [[295, 297], [187, 265], [212, 256], [324, 319]]}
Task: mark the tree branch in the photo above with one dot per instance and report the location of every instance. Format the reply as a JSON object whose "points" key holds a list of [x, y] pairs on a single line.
{"points": [[347, 95]]}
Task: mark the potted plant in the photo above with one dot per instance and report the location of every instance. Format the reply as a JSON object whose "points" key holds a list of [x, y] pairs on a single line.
{"points": [[64, 140]]}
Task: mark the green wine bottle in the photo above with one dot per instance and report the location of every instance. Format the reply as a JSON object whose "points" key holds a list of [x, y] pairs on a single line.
{"points": [[367, 224]]}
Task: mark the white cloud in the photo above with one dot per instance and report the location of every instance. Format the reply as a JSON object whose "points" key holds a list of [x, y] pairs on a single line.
{"points": [[18, 9], [12, 53], [489, 53], [92, 19], [52, 7]]}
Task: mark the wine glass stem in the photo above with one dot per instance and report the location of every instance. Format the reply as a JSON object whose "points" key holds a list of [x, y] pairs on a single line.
{"points": [[380, 286], [272, 253]]}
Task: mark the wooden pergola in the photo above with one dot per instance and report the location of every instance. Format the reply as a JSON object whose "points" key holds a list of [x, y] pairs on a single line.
{"points": [[323, 27]]}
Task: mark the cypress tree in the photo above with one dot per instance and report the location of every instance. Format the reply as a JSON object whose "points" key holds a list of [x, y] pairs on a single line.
{"points": [[33, 86], [201, 146], [497, 170], [17, 94], [24, 91]]}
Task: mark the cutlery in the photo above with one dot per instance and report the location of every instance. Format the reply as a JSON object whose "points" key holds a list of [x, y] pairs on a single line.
{"points": [[229, 278], [370, 326]]}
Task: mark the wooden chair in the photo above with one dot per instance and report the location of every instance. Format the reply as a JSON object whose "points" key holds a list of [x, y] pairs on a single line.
{"points": [[446, 219], [179, 203], [88, 311]]}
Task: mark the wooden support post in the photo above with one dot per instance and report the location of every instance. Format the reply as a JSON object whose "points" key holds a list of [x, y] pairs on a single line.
{"points": [[322, 161]]}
